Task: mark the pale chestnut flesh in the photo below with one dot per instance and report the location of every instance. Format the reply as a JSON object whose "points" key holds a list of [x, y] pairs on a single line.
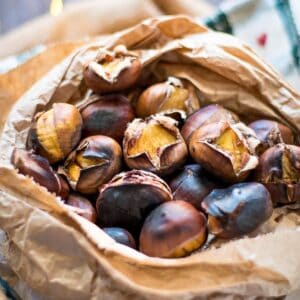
{"points": [[237, 210], [94, 162], [174, 229], [279, 171], [56, 132], [155, 145]]}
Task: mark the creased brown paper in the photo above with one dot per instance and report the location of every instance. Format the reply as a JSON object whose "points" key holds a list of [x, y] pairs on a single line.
{"points": [[65, 257]]}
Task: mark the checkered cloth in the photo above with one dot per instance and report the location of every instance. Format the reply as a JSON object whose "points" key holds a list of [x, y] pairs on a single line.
{"points": [[270, 27]]}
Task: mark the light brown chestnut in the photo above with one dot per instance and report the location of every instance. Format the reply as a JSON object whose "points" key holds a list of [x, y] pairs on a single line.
{"points": [[237, 210], [82, 207], [121, 235], [169, 96], [94, 162], [39, 169], [212, 113], [279, 171], [106, 115], [154, 144], [224, 149], [174, 229], [112, 71], [192, 184], [56, 132], [129, 197], [271, 133]]}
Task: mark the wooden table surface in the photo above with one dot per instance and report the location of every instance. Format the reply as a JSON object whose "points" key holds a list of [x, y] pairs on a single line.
{"points": [[16, 12]]}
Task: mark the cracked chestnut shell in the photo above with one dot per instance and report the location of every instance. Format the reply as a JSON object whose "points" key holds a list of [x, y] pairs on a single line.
{"points": [[94, 162], [56, 132], [39, 169], [174, 229], [224, 149], [279, 171], [83, 207], [271, 133], [112, 71], [169, 96], [192, 185], [129, 197], [106, 115], [212, 113], [237, 210], [121, 235], [155, 145]]}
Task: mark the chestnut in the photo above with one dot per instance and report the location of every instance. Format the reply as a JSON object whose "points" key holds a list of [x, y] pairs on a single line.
{"points": [[224, 149], [106, 115], [174, 229], [237, 210], [167, 96], [56, 132], [212, 113], [120, 235], [271, 133], [39, 169], [129, 197], [192, 185], [94, 162], [154, 144], [279, 171], [83, 207], [112, 71]]}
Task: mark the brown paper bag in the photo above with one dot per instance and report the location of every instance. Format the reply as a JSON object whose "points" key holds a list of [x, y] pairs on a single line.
{"points": [[63, 256]]}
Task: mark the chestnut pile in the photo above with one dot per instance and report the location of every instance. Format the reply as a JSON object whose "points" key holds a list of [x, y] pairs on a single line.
{"points": [[149, 180]]}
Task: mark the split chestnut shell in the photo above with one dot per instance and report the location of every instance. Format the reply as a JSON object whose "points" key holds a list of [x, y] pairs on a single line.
{"points": [[212, 113], [39, 169], [112, 71], [224, 149], [129, 197], [271, 133], [168, 96], [155, 145], [279, 171], [94, 162], [56, 132], [237, 210], [174, 229]]}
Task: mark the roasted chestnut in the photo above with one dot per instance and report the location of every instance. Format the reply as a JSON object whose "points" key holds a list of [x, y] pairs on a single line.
{"points": [[154, 144], [212, 113], [121, 235], [271, 133], [82, 207], [129, 197], [226, 150], [40, 170], [94, 162], [107, 115], [174, 229], [192, 185], [167, 96], [237, 210], [279, 171], [112, 71], [56, 132]]}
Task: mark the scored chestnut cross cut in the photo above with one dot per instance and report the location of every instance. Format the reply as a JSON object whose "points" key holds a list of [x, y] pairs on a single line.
{"points": [[154, 144]]}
